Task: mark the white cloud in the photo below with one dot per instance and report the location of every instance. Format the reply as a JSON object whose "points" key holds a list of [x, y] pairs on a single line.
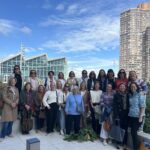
{"points": [[26, 30], [93, 33], [72, 9], [60, 7], [6, 26], [46, 4], [9, 26], [79, 65]]}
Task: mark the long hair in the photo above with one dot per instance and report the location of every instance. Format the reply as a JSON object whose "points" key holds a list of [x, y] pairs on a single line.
{"points": [[138, 89]]}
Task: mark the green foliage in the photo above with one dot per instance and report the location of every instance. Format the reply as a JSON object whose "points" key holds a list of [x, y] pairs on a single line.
{"points": [[147, 119], [86, 134]]}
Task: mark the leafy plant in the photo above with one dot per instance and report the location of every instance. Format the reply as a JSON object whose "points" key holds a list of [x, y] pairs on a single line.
{"points": [[86, 134]]}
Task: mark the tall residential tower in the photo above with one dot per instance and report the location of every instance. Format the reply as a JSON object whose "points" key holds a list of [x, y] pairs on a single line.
{"points": [[134, 30]]}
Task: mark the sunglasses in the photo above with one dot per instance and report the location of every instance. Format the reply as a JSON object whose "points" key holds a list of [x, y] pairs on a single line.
{"points": [[84, 73], [122, 72], [16, 68]]}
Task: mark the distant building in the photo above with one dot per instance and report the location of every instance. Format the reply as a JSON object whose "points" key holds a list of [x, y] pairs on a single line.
{"points": [[39, 63], [133, 23]]}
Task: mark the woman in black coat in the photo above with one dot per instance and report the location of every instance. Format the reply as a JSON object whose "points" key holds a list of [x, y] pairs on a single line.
{"points": [[121, 109]]}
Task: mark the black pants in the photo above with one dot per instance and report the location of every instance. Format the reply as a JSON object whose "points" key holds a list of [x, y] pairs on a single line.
{"points": [[134, 125], [39, 122], [70, 119], [95, 122], [123, 116], [51, 116]]}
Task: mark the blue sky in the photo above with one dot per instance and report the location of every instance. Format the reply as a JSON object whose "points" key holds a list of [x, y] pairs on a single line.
{"points": [[86, 32]]}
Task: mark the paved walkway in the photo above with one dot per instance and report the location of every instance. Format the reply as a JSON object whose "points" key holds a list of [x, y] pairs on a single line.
{"points": [[52, 141]]}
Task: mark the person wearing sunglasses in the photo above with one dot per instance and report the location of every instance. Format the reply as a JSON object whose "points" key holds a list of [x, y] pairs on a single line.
{"points": [[121, 79]]}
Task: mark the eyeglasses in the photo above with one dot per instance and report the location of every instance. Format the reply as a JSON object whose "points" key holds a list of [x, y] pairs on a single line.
{"points": [[122, 72]]}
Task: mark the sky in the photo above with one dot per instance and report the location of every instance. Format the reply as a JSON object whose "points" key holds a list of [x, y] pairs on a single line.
{"points": [[86, 32]]}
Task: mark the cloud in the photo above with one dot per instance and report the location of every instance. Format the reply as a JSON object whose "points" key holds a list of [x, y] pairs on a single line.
{"points": [[6, 26], [9, 26], [79, 65], [60, 7], [95, 33], [72, 9], [26, 30], [46, 5]]}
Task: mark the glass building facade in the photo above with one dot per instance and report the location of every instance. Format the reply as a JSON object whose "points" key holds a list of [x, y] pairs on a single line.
{"points": [[40, 63]]}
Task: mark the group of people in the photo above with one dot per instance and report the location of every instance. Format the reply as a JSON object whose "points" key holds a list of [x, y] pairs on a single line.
{"points": [[66, 104]]}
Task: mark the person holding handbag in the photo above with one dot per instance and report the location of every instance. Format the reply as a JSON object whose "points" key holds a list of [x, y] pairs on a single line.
{"points": [[106, 114], [27, 99], [74, 108], [39, 108], [120, 112]]}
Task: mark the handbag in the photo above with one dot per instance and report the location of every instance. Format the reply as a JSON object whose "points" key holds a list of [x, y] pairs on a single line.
{"points": [[106, 125], [78, 107], [117, 133]]}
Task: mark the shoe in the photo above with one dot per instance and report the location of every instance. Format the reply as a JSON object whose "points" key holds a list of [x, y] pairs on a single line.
{"points": [[105, 143], [11, 135], [1, 139], [110, 142], [61, 132]]}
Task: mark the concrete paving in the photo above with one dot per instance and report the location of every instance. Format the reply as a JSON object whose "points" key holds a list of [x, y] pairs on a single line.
{"points": [[53, 141]]}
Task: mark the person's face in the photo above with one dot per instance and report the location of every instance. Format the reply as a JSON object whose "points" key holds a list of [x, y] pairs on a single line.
{"points": [[41, 89], [72, 74], [28, 87], [84, 74], [102, 73], [122, 88], [66, 88], [52, 86], [59, 85], [133, 88], [110, 74], [92, 75], [33, 74], [50, 75], [61, 76], [13, 82], [122, 74], [133, 76], [17, 70], [109, 88], [97, 86], [83, 86]]}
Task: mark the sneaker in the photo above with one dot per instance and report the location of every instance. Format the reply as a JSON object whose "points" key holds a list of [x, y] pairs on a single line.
{"points": [[61, 132], [105, 143]]}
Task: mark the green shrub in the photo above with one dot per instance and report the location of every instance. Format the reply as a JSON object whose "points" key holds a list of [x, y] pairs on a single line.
{"points": [[147, 119]]}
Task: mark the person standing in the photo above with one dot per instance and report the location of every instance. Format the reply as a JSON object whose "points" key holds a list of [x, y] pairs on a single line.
{"points": [[84, 77], [9, 111], [50, 101], [95, 97], [136, 112], [39, 108], [17, 75], [33, 80], [106, 114], [74, 100], [27, 107], [121, 110]]}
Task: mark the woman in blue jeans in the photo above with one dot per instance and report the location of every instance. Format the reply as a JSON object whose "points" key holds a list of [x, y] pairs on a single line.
{"points": [[9, 111], [136, 112]]}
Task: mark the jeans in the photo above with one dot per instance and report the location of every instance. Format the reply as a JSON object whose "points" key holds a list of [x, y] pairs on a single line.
{"points": [[62, 119], [6, 129]]}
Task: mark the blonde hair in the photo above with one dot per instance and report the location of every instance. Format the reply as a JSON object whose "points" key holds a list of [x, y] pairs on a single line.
{"points": [[75, 90]]}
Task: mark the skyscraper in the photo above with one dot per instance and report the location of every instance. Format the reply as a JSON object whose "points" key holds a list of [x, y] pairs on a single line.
{"points": [[133, 25]]}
